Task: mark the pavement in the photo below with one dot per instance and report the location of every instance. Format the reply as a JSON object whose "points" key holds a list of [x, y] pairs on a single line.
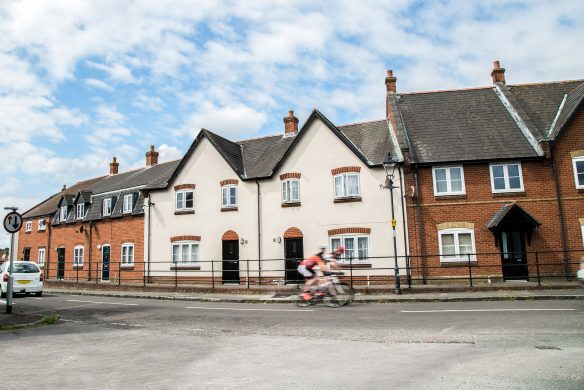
{"points": [[570, 292]]}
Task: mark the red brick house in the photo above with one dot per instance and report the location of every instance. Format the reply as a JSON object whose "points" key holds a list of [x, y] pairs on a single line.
{"points": [[494, 178], [94, 230]]}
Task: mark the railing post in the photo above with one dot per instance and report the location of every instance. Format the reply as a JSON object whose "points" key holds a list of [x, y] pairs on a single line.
{"points": [[351, 271], [144, 273], [77, 274], [212, 274], [409, 271], [176, 276], [247, 271], [537, 268], [469, 269], [119, 273]]}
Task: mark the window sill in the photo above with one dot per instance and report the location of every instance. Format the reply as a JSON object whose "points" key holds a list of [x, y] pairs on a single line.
{"points": [[449, 197], [28, 232], [291, 204], [580, 190], [182, 212], [354, 265], [127, 267], [509, 194], [41, 230], [185, 267], [348, 199], [223, 209], [457, 263], [78, 267]]}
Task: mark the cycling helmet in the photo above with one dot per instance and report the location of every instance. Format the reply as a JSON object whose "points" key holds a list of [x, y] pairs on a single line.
{"points": [[340, 249]]}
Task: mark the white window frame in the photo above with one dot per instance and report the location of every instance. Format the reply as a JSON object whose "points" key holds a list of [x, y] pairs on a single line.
{"points": [[81, 211], [41, 258], [574, 161], [28, 226], [342, 239], [449, 190], [344, 181], [179, 261], [458, 257], [228, 188], [184, 200], [63, 213], [582, 228], [506, 177], [127, 260], [287, 191], [78, 253], [128, 207], [42, 224], [106, 207]]}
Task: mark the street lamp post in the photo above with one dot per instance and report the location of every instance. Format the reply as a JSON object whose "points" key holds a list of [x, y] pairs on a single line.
{"points": [[389, 185]]}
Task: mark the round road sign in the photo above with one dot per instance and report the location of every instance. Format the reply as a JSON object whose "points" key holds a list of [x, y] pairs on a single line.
{"points": [[12, 222]]}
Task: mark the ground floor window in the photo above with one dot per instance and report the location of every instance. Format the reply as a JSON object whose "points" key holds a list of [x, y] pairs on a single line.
{"points": [[185, 253], [78, 256], [127, 254], [456, 245], [356, 248]]}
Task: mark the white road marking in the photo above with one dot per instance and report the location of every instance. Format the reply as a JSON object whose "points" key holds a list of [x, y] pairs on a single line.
{"points": [[233, 309], [36, 298], [479, 310], [103, 303]]}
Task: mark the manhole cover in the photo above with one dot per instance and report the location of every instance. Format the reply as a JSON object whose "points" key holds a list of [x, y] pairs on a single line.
{"points": [[547, 347]]}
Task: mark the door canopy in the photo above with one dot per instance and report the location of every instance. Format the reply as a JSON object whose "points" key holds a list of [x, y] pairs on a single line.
{"points": [[512, 217]]}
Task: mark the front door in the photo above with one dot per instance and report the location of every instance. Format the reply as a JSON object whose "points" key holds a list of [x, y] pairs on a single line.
{"points": [[105, 263], [231, 261], [513, 256], [60, 263], [26, 254], [294, 253]]}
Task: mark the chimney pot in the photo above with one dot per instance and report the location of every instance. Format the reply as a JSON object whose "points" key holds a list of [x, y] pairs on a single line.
{"points": [[114, 167], [151, 157], [390, 82], [290, 124], [498, 73], [64, 187]]}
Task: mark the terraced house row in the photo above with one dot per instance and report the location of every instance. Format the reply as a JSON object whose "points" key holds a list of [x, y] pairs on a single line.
{"points": [[490, 178]]}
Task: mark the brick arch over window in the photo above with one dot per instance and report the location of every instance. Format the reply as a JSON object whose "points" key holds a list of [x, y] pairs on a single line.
{"points": [[340, 170], [349, 230], [230, 235], [293, 232]]}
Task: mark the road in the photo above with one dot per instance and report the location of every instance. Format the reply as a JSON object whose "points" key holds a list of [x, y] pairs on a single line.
{"points": [[114, 343]]}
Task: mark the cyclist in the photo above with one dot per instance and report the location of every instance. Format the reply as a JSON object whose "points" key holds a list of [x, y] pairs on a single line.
{"points": [[307, 269], [331, 258]]}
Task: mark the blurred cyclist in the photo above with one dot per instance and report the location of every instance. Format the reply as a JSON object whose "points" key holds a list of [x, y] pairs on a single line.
{"points": [[331, 258], [308, 267]]}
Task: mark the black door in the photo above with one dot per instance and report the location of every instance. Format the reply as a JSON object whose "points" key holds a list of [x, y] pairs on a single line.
{"points": [[231, 261], [26, 254], [513, 256], [105, 263], [294, 253], [60, 263]]}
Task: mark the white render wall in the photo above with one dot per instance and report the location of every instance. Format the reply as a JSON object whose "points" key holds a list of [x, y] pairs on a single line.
{"points": [[318, 152]]}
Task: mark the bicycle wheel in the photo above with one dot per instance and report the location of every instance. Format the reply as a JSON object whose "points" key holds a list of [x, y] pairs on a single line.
{"points": [[301, 302], [345, 293], [331, 301]]}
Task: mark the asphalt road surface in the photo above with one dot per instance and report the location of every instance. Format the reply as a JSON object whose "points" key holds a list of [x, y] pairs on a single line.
{"points": [[118, 343]]}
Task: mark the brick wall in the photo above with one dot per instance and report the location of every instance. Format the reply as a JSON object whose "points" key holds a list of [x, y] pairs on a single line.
{"points": [[34, 239]]}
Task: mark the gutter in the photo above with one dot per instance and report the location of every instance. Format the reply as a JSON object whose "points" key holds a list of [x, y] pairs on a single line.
{"points": [[560, 215], [421, 227], [259, 234], [90, 246], [405, 232], [149, 246]]}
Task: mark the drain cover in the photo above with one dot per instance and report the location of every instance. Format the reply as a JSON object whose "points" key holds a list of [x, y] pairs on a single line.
{"points": [[547, 347]]}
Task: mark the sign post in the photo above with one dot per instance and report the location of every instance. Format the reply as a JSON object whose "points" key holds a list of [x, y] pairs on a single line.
{"points": [[12, 224]]}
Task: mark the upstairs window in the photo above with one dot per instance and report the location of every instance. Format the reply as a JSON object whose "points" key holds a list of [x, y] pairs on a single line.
{"points": [[578, 164], [28, 226], [81, 211], [456, 245], [78, 256], [448, 181], [127, 255], [42, 225], [347, 185], [185, 200], [128, 203], [506, 177], [106, 207], [229, 196], [291, 191], [63, 213]]}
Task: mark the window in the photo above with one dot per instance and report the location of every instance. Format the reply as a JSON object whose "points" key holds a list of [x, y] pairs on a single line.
{"points": [[107, 206], [127, 254], [63, 213], [28, 226], [229, 196], [41, 258], [448, 181], [506, 177], [356, 248], [77, 256], [347, 185], [290, 191], [42, 224], [80, 210], [184, 200], [579, 172], [128, 200], [185, 253], [582, 228], [456, 245]]}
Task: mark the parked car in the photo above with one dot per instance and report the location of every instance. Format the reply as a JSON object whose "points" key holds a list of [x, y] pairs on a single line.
{"points": [[580, 273], [28, 278]]}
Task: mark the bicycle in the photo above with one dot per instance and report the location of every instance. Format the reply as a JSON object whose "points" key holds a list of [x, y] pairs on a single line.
{"points": [[331, 291]]}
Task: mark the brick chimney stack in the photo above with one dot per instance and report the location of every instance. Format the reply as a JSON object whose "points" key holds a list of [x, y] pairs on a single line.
{"points": [[290, 124], [498, 73], [114, 167], [151, 157], [390, 82]]}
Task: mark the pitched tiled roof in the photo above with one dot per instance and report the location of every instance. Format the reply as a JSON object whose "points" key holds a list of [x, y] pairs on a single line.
{"points": [[572, 101], [462, 125], [261, 155], [372, 139]]}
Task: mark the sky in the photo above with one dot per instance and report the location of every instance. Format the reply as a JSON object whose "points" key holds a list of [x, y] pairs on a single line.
{"points": [[83, 81]]}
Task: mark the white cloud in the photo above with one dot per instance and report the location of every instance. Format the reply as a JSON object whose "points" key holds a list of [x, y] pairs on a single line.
{"points": [[168, 153], [148, 103], [116, 72], [98, 84]]}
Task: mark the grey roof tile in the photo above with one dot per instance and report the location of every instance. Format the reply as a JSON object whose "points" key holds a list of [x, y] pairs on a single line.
{"points": [[572, 102], [371, 138]]}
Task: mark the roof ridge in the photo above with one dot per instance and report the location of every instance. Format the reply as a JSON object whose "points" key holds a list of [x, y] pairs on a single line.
{"points": [[444, 90], [547, 83], [256, 138], [362, 122]]}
